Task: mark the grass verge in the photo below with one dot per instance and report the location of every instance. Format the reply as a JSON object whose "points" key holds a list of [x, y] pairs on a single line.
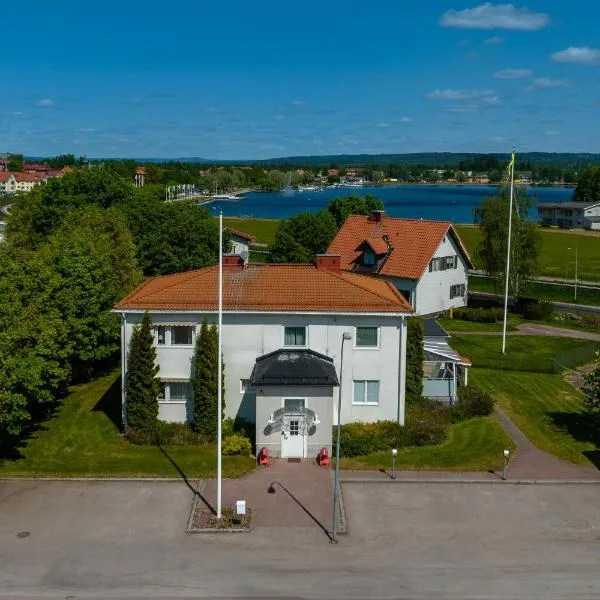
{"points": [[458, 326], [546, 409], [262, 229], [474, 445], [83, 439], [557, 256]]}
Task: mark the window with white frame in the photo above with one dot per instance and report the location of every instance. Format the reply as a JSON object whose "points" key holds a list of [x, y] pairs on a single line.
{"points": [[295, 336], [174, 335], [175, 391], [365, 392], [367, 337], [457, 291]]}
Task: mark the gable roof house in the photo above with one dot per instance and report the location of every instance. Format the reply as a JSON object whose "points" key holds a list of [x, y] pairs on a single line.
{"points": [[425, 260], [285, 355], [240, 242]]}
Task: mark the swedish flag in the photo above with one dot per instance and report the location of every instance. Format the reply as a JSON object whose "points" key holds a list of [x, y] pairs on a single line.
{"points": [[511, 164]]}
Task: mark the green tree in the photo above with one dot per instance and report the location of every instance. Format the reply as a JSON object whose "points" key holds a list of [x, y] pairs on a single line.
{"points": [[300, 238], [34, 341], [492, 217], [63, 160], [15, 162], [93, 255], [414, 360], [342, 207], [142, 386], [592, 397], [588, 186], [205, 381], [36, 215]]}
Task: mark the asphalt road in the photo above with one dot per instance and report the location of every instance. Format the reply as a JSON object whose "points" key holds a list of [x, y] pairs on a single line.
{"points": [[580, 308], [451, 540]]}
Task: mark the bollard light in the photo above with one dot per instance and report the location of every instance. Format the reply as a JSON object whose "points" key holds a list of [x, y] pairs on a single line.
{"points": [[394, 456], [506, 455]]}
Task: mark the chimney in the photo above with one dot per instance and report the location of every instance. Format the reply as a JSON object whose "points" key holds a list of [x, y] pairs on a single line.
{"points": [[329, 262], [376, 215], [233, 261]]}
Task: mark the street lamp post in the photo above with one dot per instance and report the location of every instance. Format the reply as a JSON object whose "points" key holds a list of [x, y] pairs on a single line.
{"points": [[394, 456], [506, 453], [345, 336]]}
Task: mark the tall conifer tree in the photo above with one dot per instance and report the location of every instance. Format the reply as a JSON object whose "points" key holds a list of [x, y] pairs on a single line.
{"points": [[205, 381], [142, 385]]}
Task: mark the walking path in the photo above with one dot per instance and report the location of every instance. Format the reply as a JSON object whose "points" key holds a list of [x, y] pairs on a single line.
{"points": [[530, 462]]}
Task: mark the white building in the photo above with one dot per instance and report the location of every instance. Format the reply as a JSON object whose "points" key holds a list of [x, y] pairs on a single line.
{"points": [[16, 182], [283, 328], [570, 215], [240, 242], [425, 260]]}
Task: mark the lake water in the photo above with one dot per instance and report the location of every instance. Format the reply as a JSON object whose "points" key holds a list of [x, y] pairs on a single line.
{"points": [[443, 202]]}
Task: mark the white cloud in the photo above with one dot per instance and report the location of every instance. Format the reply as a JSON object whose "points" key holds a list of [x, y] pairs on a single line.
{"points": [[552, 133], [46, 103], [279, 117], [383, 125], [491, 101], [545, 83], [462, 108], [299, 102], [457, 94], [18, 113], [582, 56], [490, 16], [493, 40], [405, 120], [513, 74], [472, 54]]}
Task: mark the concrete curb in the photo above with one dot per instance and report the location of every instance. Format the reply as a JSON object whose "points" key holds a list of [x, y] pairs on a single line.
{"points": [[67, 479], [476, 481]]}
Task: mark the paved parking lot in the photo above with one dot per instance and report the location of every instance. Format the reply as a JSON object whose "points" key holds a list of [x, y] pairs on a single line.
{"points": [[452, 540]]}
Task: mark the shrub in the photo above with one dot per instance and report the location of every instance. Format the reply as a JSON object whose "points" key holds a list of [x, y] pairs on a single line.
{"points": [[477, 315], [537, 311], [414, 360], [167, 434], [236, 444], [241, 426], [472, 402], [427, 423]]}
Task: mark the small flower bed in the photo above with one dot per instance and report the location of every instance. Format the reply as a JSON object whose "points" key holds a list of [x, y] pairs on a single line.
{"points": [[204, 519]]}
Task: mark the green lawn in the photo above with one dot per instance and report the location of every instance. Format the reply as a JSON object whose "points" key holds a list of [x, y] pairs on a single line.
{"points": [[474, 445], [556, 258], [544, 407], [544, 291], [480, 348], [262, 229], [82, 440]]}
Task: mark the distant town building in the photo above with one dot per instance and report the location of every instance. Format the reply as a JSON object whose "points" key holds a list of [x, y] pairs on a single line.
{"points": [[570, 215], [16, 182], [140, 177]]}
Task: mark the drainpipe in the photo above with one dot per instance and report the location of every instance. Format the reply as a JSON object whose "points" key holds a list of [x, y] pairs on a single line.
{"points": [[454, 382], [402, 370], [123, 370]]}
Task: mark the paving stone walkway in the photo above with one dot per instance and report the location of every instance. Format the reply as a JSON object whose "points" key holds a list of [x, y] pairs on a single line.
{"points": [[529, 462], [302, 496]]}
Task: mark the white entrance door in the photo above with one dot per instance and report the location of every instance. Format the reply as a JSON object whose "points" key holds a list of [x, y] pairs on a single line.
{"points": [[293, 435]]}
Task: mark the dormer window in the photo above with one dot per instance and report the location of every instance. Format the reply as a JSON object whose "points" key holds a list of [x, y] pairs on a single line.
{"points": [[368, 258]]}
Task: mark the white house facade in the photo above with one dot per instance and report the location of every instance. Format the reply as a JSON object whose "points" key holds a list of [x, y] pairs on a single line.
{"points": [[240, 242], [570, 215], [283, 331], [425, 260], [17, 182]]}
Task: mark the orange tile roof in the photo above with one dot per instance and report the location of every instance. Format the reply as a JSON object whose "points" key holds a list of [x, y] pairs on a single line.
{"points": [[241, 234], [414, 242], [378, 245], [266, 287]]}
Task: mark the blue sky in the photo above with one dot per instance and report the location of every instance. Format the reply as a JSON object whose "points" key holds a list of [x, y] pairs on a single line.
{"points": [[242, 80]]}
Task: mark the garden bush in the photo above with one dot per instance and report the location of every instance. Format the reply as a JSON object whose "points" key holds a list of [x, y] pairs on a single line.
{"points": [[477, 315], [236, 444], [537, 311], [472, 402], [427, 423], [167, 434]]}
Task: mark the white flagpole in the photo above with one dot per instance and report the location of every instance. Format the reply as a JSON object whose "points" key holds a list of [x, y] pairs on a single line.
{"points": [[512, 187], [219, 369]]}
